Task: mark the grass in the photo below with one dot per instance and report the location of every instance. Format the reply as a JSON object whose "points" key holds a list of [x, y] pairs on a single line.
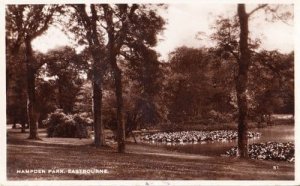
{"points": [[139, 162]]}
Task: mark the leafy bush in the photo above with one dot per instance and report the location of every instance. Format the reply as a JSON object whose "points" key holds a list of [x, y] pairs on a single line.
{"points": [[69, 126], [84, 119]]}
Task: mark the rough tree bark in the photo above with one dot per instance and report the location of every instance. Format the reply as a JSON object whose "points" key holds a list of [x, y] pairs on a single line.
{"points": [[97, 104], [242, 81], [31, 97], [120, 115]]}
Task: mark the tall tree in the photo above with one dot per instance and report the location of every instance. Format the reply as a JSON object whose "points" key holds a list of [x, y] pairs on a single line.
{"points": [[31, 21], [90, 32], [115, 42], [241, 82], [124, 28], [242, 48], [118, 25], [242, 77]]}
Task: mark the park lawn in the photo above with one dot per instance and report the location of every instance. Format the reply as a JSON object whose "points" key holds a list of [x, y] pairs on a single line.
{"points": [[139, 162]]}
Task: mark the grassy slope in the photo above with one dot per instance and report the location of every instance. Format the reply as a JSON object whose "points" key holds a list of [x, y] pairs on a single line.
{"points": [[140, 162]]}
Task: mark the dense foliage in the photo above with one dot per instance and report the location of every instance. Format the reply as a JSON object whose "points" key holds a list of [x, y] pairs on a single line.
{"points": [[68, 126]]}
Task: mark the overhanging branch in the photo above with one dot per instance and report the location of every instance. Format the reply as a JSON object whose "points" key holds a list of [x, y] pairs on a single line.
{"points": [[257, 8]]}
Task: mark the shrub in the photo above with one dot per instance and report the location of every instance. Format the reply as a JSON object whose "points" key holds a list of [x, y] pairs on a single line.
{"points": [[84, 118], [69, 126], [80, 124]]}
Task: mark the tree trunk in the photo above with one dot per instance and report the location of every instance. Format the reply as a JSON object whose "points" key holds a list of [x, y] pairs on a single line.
{"points": [[114, 45], [97, 103], [241, 83], [31, 98], [113, 50], [23, 127], [119, 97]]}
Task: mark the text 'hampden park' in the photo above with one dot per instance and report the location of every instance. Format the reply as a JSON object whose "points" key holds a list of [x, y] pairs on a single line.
{"points": [[62, 171]]}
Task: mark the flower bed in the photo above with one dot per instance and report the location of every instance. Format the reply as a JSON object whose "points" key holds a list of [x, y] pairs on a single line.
{"points": [[269, 151], [195, 136]]}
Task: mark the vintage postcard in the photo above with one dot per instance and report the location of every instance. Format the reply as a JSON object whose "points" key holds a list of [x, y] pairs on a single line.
{"points": [[149, 93]]}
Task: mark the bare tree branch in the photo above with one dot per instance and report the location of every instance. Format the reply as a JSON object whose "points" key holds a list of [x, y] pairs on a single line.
{"points": [[257, 8]]}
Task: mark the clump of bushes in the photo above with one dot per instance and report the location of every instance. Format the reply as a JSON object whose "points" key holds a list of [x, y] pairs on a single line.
{"points": [[64, 125]]}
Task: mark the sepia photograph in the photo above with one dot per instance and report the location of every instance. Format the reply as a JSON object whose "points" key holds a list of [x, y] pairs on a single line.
{"points": [[149, 91]]}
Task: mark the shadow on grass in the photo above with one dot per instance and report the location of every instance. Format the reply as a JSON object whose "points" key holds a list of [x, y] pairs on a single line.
{"points": [[140, 162]]}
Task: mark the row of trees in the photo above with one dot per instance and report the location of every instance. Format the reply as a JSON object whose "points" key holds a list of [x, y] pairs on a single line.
{"points": [[117, 79], [110, 32]]}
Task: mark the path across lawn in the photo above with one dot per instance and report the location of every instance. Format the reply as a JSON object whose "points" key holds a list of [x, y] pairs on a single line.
{"points": [[139, 162]]}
